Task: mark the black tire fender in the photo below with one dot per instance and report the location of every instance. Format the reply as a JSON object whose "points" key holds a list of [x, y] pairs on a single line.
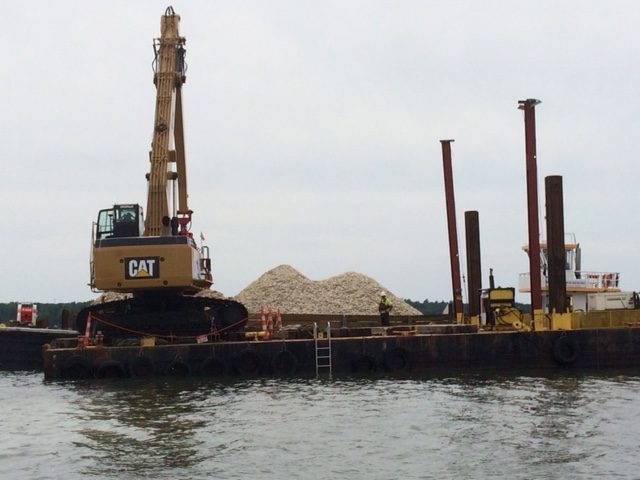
{"points": [[248, 362], [566, 350], [111, 369], [363, 363], [76, 367], [284, 363], [396, 359], [142, 367], [213, 367], [178, 368]]}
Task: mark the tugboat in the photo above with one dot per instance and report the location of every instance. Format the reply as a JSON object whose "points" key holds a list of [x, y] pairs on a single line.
{"points": [[586, 290]]}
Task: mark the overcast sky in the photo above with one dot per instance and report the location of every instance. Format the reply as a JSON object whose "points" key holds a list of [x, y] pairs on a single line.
{"points": [[312, 132]]}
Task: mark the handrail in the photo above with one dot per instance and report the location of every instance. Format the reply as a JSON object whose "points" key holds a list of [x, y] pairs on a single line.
{"points": [[580, 279]]}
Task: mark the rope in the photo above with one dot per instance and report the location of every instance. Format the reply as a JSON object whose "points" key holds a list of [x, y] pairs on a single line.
{"points": [[214, 332], [505, 312]]}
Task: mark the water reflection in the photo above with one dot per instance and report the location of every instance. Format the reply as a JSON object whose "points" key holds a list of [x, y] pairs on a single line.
{"points": [[479, 425], [145, 427], [549, 424]]}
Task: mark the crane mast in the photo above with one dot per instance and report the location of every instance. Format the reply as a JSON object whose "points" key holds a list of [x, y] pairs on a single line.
{"points": [[167, 146]]}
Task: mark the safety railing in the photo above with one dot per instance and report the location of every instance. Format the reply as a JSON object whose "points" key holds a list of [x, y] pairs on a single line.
{"points": [[576, 280]]}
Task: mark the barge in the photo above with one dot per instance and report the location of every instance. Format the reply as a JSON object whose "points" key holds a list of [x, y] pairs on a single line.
{"points": [[394, 350], [20, 347]]}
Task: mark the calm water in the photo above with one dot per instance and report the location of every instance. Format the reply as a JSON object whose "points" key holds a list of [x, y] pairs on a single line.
{"points": [[465, 426]]}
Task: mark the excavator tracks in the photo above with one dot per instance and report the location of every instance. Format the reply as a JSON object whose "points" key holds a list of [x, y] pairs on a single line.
{"points": [[176, 318]]}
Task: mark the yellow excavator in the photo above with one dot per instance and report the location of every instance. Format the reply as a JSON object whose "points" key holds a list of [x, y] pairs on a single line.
{"points": [[156, 260]]}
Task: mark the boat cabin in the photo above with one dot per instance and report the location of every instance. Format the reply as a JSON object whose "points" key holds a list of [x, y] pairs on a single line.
{"points": [[586, 289]]}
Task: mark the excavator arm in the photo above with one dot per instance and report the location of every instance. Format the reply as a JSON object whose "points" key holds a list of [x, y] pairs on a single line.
{"points": [[167, 145]]}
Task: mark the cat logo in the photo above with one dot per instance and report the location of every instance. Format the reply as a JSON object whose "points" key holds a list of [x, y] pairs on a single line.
{"points": [[138, 268]]}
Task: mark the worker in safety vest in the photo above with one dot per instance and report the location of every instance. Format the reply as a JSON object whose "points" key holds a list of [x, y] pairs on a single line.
{"points": [[384, 307]]}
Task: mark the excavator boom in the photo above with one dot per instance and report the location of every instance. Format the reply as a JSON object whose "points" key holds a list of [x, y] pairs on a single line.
{"points": [[167, 145]]}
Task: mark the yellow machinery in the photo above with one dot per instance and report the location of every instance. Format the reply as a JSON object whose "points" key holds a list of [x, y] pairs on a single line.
{"points": [[126, 256], [497, 305], [157, 259]]}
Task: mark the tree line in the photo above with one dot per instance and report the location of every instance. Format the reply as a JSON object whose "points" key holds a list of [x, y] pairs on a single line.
{"points": [[427, 307], [49, 312], [52, 312]]}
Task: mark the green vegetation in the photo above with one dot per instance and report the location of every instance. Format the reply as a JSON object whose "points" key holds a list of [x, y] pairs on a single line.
{"points": [[52, 312], [427, 307], [437, 308]]}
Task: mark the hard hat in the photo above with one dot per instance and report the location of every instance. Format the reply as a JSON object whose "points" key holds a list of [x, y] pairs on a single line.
{"points": [[382, 294]]}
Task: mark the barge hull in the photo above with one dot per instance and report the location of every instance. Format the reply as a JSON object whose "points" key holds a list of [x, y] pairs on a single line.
{"points": [[21, 347], [588, 348]]}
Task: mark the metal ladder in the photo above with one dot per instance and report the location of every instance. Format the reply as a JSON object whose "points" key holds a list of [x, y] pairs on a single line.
{"points": [[323, 349]]}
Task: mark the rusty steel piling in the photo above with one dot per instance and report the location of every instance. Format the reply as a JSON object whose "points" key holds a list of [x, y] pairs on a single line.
{"points": [[474, 270], [555, 245], [452, 229], [528, 106]]}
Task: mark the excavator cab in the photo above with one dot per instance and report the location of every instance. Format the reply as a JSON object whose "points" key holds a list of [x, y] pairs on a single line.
{"points": [[119, 222]]}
